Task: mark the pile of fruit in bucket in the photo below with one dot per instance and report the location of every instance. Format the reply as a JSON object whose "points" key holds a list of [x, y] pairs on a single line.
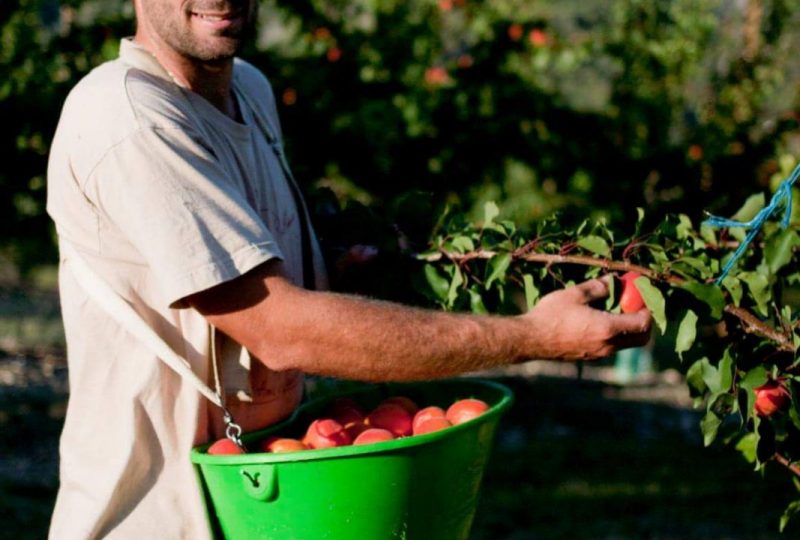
{"points": [[347, 423]]}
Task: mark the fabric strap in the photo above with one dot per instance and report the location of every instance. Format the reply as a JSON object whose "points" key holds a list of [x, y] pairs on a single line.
{"points": [[122, 312]]}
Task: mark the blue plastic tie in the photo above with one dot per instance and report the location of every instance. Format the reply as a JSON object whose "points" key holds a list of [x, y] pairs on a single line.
{"points": [[782, 197]]}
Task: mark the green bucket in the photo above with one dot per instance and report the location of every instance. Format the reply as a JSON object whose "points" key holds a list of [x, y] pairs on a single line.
{"points": [[421, 487]]}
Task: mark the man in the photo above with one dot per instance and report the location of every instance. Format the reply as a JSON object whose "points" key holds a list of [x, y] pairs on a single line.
{"points": [[166, 177]]}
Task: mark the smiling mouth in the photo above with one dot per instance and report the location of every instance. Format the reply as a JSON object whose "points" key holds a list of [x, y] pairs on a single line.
{"points": [[216, 17]]}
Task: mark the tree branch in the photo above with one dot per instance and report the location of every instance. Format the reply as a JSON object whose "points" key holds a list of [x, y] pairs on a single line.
{"points": [[786, 463], [750, 323]]}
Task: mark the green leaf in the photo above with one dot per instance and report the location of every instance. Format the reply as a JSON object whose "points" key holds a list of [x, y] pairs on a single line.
{"points": [[709, 425], [695, 379], [722, 404], [531, 291], [490, 211], [498, 265], [687, 332], [595, 244], [788, 514], [725, 369], [758, 285], [750, 208], [779, 249], [708, 234], [684, 227], [476, 303], [747, 447], [710, 376], [755, 377], [710, 294], [654, 301], [439, 286], [463, 244], [734, 287], [455, 284]]}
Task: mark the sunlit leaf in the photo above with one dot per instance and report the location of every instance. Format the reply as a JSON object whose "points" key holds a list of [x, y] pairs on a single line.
{"points": [[654, 301], [531, 291], [687, 332], [779, 249], [498, 266], [595, 244]]}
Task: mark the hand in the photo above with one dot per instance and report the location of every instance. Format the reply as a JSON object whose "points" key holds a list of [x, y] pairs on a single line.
{"points": [[565, 327]]}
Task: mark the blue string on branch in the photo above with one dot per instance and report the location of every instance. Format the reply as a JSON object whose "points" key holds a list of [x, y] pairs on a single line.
{"points": [[782, 198]]}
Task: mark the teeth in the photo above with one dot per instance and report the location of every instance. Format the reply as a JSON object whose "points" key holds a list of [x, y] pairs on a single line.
{"points": [[210, 17]]}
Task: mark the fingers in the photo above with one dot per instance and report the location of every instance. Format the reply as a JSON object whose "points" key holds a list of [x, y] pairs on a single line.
{"points": [[594, 289], [631, 329]]}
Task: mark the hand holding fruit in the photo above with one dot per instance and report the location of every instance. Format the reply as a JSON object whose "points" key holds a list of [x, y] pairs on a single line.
{"points": [[565, 326]]}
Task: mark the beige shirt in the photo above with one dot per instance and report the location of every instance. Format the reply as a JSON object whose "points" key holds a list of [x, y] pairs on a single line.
{"points": [[164, 196]]}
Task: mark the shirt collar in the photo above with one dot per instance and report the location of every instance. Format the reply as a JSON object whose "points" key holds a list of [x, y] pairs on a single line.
{"points": [[138, 57]]}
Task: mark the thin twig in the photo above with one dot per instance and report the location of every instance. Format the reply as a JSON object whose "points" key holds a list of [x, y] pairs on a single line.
{"points": [[786, 463]]}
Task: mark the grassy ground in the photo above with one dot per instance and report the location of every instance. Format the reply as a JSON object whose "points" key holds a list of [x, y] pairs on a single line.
{"points": [[574, 463]]}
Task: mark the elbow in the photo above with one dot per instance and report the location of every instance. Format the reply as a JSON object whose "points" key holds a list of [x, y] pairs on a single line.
{"points": [[277, 355]]}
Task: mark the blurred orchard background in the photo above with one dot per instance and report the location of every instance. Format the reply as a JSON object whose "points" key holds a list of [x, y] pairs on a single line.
{"points": [[396, 113]]}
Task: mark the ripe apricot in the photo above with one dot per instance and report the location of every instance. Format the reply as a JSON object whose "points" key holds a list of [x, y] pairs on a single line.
{"points": [[224, 447], [278, 445], [429, 425], [406, 403], [630, 300], [373, 435], [426, 414], [465, 409], [326, 433], [771, 398], [392, 417]]}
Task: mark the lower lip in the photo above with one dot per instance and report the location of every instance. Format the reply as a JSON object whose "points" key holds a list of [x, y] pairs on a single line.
{"points": [[218, 23]]}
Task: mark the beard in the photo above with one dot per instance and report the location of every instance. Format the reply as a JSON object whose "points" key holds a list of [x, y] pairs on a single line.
{"points": [[187, 34]]}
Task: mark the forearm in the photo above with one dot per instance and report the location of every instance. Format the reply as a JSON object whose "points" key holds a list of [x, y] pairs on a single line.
{"points": [[287, 327], [352, 337]]}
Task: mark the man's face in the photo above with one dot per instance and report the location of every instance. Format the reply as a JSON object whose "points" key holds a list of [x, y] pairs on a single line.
{"points": [[204, 30]]}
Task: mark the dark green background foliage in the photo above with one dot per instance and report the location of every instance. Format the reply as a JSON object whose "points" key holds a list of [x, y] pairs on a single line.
{"points": [[393, 109]]}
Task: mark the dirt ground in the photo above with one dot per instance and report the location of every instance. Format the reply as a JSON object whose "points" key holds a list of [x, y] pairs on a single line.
{"points": [[574, 459]]}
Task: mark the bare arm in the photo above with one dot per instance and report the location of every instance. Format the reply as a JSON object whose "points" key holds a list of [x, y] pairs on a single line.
{"points": [[324, 333]]}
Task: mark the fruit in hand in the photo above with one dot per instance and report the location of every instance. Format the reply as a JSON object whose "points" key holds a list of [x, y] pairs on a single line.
{"points": [[771, 398], [373, 435], [224, 447], [630, 300], [326, 433], [465, 409]]}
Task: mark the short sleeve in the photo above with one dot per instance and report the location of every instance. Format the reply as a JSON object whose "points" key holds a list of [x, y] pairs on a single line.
{"points": [[171, 199]]}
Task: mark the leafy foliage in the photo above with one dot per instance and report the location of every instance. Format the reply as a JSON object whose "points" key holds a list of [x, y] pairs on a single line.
{"points": [[586, 108], [731, 337]]}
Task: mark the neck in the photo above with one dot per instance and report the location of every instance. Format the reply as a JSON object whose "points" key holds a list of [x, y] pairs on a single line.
{"points": [[211, 80]]}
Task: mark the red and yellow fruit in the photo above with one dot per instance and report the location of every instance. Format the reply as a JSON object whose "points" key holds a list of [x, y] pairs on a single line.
{"points": [[464, 410], [224, 447], [373, 435], [771, 398], [326, 433], [630, 300]]}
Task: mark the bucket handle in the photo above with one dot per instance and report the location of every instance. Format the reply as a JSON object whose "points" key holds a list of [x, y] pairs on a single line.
{"points": [[260, 481]]}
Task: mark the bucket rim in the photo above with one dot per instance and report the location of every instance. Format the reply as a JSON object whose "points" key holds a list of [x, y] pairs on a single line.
{"points": [[200, 457]]}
